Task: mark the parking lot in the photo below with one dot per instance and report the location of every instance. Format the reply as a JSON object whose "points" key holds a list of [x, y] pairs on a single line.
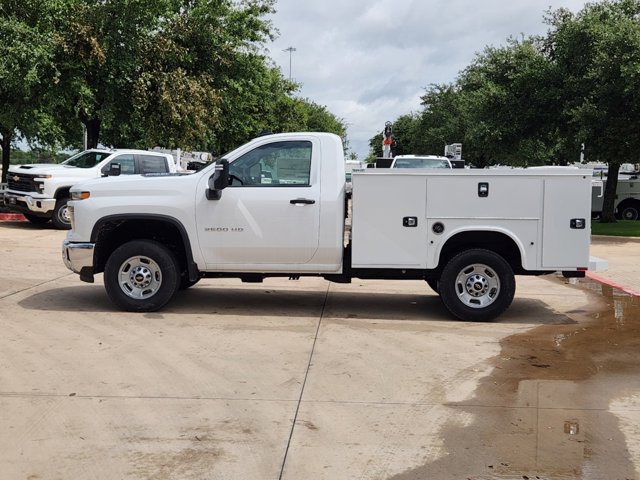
{"points": [[311, 380]]}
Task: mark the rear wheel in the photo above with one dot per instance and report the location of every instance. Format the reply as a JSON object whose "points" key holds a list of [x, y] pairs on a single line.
{"points": [[141, 276], [61, 218], [477, 285], [35, 219], [630, 212]]}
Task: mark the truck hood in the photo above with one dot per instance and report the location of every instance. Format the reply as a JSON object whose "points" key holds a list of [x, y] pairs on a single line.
{"points": [[45, 168], [135, 185]]}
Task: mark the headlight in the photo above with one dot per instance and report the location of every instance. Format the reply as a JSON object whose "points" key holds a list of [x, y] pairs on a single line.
{"points": [[42, 177], [80, 195], [39, 186]]}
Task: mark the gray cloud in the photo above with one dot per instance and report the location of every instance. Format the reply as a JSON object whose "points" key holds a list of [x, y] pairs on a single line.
{"points": [[369, 61]]}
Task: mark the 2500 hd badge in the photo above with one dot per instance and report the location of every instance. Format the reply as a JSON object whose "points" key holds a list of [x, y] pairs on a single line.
{"points": [[223, 229]]}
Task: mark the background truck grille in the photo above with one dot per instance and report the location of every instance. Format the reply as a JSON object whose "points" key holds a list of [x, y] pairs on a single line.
{"points": [[20, 182]]}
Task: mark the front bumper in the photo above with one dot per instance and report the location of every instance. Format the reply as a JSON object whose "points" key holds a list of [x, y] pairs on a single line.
{"points": [[27, 203], [78, 257]]}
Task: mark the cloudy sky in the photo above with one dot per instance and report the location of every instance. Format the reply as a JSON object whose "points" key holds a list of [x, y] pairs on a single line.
{"points": [[369, 61]]}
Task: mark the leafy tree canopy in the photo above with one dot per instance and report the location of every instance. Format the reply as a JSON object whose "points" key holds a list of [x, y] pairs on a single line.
{"points": [[139, 73]]}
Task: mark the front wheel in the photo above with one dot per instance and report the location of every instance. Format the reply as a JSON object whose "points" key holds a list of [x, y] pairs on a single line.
{"points": [[477, 285], [141, 276], [61, 219]]}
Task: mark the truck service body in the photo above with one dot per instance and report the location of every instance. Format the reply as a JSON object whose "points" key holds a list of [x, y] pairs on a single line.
{"points": [[277, 207]]}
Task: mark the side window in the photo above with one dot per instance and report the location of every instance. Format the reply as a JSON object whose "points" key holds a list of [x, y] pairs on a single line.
{"points": [[152, 164], [276, 164], [127, 164]]}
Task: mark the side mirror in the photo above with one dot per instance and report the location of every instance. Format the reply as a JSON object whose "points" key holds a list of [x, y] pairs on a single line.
{"points": [[219, 180], [113, 171]]}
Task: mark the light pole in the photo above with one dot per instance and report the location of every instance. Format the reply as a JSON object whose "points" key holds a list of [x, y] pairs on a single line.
{"points": [[290, 50]]}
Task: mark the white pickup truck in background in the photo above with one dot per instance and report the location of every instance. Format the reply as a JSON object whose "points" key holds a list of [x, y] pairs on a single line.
{"points": [[420, 161], [41, 191], [277, 207]]}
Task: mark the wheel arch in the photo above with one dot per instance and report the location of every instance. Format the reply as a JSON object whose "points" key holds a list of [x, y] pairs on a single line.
{"points": [[628, 202], [112, 231], [63, 192], [498, 240]]}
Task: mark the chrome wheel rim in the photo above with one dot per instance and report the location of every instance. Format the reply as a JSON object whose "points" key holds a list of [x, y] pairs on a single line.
{"points": [[63, 215], [477, 285], [139, 277]]}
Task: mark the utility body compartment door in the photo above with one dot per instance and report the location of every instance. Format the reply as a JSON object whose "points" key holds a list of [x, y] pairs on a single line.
{"points": [[565, 244], [389, 221]]}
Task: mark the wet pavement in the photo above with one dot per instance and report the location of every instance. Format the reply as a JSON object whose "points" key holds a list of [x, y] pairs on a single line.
{"points": [[562, 401]]}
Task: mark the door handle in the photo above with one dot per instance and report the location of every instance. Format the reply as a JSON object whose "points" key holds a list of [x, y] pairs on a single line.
{"points": [[302, 201]]}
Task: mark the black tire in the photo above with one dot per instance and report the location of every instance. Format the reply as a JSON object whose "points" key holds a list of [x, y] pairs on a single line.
{"points": [[433, 283], [35, 219], [629, 212], [141, 276], [477, 285], [60, 218]]}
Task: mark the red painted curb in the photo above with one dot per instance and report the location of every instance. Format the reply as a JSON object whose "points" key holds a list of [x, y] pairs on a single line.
{"points": [[615, 285], [12, 216]]}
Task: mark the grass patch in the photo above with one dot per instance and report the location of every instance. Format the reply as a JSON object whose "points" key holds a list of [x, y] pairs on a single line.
{"points": [[622, 228]]}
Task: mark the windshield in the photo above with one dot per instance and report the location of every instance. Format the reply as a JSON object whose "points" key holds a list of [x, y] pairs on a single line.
{"points": [[420, 163], [86, 159]]}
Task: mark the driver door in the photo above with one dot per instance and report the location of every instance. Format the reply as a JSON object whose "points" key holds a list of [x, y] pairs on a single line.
{"points": [[268, 217]]}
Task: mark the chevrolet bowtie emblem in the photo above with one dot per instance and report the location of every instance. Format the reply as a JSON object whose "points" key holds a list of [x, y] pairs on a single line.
{"points": [[15, 178]]}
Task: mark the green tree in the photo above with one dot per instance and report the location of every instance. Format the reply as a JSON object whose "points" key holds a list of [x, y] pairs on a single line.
{"points": [[98, 56], [204, 66], [142, 72], [597, 53], [318, 118], [146, 72], [405, 135], [26, 72], [511, 99], [442, 119], [375, 148]]}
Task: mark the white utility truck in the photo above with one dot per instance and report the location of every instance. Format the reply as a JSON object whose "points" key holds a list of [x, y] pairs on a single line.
{"points": [[41, 191], [276, 207], [627, 200]]}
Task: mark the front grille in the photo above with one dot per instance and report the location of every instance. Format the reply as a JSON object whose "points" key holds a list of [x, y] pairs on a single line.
{"points": [[20, 182]]}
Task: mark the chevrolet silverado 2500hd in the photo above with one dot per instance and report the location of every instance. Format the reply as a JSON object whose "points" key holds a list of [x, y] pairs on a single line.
{"points": [[41, 191], [277, 207]]}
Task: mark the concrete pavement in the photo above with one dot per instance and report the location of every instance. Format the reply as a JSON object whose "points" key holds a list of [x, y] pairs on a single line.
{"points": [[623, 254], [306, 379]]}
